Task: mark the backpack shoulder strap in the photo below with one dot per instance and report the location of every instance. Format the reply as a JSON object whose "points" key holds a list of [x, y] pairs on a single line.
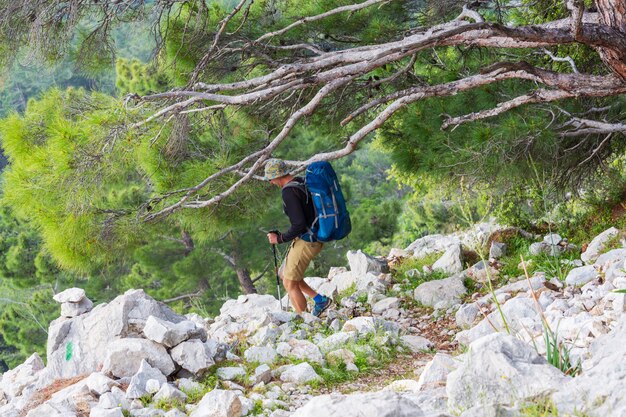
{"points": [[299, 186]]}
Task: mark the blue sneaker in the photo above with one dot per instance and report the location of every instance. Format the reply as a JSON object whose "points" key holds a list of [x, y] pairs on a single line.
{"points": [[322, 306]]}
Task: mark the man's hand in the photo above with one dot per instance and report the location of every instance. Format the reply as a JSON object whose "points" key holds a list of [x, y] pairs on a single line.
{"points": [[273, 238]]}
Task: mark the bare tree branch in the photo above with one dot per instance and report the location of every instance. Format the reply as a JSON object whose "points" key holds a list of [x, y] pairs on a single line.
{"points": [[576, 7], [404, 70], [559, 59], [222, 27], [260, 156], [303, 20], [184, 297], [581, 127], [597, 149], [332, 72], [537, 96]]}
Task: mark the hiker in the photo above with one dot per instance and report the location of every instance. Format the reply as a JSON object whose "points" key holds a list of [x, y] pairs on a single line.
{"points": [[298, 206]]}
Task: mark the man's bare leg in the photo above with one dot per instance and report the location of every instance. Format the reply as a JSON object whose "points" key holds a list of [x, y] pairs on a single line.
{"points": [[304, 287], [295, 295]]}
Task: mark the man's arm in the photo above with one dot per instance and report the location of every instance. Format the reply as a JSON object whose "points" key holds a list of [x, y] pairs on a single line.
{"points": [[294, 207]]}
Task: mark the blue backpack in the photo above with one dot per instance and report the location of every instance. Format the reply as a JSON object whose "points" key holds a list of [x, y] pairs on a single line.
{"points": [[332, 220]]}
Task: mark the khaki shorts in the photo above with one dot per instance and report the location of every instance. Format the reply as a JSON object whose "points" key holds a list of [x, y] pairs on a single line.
{"points": [[298, 259]]}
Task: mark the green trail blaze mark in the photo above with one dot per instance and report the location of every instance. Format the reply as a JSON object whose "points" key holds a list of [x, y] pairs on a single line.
{"points": [[68, 351]]}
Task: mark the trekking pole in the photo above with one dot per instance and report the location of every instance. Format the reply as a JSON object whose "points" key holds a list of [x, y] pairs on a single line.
{"points": [[280, 300]]}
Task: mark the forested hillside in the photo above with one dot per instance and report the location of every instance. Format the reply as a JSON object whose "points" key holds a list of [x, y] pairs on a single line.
{"points": [[136, 134]]}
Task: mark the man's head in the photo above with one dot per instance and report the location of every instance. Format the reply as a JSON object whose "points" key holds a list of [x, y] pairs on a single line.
{"points": [[277, 172]]}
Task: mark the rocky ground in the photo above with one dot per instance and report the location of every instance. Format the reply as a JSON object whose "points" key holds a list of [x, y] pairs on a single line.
{"points": [[436, 340]]}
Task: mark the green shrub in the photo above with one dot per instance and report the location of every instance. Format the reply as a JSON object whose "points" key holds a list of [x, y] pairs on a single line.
{"points": [[407, 264], [558, 354], [554, 266], [543, 407]]}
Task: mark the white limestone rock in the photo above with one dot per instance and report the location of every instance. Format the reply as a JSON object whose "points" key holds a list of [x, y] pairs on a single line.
{"points": [[435, 373], [416, 343], [491, 411], [501, 369], [362, 263], [261, 354], [552, 239], [175, 412], [403, 385], [430, 244], [341, 356], [598, 391], [301, 349], [336, 270], [582, 275], [385, 304], [71, 295], [194, 356], [76, 309], [441, 294], [337, 340], [372, 404], [189, 385], [450, 262], [124, 357], [170, 334], [398, 253], [371, 283], [597, 245], [265, 335], [262, 373], [169, 392], [365, 325], [230, 373], [78, 345], [521, 315], [466, 315], [113, 399], [344, 280], [138, 383], [497, 250], [14, 381], [300, 374], [482, 272], [106, 412], [218, 403]]}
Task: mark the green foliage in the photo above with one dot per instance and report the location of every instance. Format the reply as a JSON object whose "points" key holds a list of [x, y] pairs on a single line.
{"points": [[400, 271], [57, 171], [554, 266], [516, 245], [167, 404], [410, 272], [558, 354], [257, 408], [29, 78], [544, 407], [371, 352], [24, 317], [346, 293], [133, 76]]}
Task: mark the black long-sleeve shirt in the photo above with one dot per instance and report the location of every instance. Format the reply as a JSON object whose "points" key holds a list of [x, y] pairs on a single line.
{"points": [[298, 206]]}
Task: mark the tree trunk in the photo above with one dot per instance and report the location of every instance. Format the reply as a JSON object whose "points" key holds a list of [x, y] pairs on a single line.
{"points": [[243, 275], [187, 241], [613, 13]]}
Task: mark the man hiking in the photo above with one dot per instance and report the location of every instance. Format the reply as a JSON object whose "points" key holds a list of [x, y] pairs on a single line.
{"points": [[298, 206]]}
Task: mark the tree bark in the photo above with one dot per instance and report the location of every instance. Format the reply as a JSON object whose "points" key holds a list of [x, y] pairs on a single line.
{"points": [[613, 13], [234, 259], [243, 274], [187, 241]]}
